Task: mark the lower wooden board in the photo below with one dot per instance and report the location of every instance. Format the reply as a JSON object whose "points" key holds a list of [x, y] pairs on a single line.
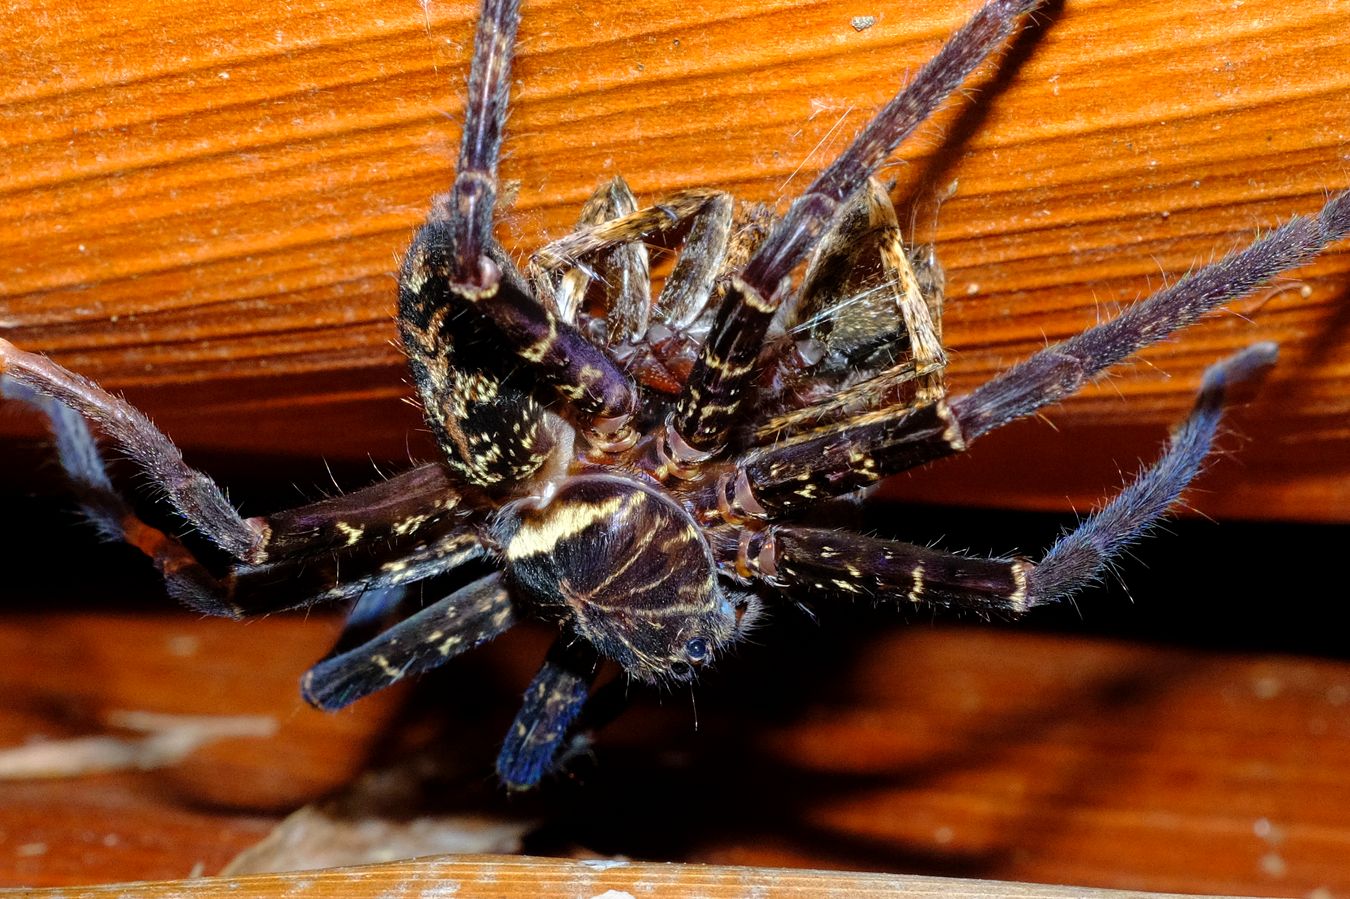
{"points": [[955, 751], [470, 876]]}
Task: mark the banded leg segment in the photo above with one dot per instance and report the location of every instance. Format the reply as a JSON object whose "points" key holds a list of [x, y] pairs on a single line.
{"points": [[467, 618], [823, 561], [872, 446], [721, 378]]}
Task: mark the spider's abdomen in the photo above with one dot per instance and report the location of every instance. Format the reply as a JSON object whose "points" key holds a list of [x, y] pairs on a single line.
{"points": [[627, 567]]}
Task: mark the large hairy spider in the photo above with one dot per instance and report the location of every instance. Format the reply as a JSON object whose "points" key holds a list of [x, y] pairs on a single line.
{"points": [[644, 471]]}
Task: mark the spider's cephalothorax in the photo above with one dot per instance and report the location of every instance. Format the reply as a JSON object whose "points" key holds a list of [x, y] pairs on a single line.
{"points": [[643, 471]]}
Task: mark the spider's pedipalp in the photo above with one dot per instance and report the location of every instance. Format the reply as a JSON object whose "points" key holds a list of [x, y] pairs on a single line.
{"points": [[469, 617], [718, 385]]}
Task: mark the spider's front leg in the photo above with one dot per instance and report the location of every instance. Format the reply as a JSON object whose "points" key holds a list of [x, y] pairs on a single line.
{"points": [[819, 561], [464, 310], [720, 382]]}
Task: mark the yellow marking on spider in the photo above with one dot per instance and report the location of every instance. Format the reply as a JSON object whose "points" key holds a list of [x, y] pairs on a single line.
{"points": [[562, 521], [1017, 601], [409, 524], [389, 670], [351, 532], [916, 588]]}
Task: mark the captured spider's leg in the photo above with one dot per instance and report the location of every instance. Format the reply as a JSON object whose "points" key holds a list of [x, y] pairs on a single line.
{"points": [[720, 381], [861, 330], [704, 257], [829, 561], [623, 270], [553, 701], [469, 617], [669, 213], [659, 356], [863, 450], [195, 496]]}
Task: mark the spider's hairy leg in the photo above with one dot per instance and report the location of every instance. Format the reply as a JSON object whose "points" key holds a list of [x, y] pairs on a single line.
{"points": [[712, 398], [462, 306], [861, 451], [185, 578], [824, 561], [469, 617], [623, 271], [1081, 556], [553, 702], [194, 495], [359, 535]]}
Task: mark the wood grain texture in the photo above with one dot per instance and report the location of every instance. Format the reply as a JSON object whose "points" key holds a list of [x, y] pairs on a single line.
{"points": [[947, 751], [203, 202], [495, 876]]}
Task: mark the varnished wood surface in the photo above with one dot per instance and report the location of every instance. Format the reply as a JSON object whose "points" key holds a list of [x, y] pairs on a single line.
{"points": [[495, 876], [202, 202]]}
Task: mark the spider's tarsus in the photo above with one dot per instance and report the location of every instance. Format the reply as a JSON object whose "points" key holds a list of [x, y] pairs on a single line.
{"points": [[1082, 556]]}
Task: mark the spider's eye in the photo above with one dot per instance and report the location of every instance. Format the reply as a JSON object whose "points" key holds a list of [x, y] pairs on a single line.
{"points": [[681, 670], [697, 649]]}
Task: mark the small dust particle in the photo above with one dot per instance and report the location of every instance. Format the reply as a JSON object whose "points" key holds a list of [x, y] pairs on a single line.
{"points": [[603, 864], [972, 288], [943, 835], [1272, 864], [862, 23], [27, 850], [614, 894]]}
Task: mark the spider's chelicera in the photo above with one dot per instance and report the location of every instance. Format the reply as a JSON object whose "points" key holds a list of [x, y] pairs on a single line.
{"points": [[643, 471]]}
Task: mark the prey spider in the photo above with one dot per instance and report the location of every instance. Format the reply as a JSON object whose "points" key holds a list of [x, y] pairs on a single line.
{"points": [[646, 471]]}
